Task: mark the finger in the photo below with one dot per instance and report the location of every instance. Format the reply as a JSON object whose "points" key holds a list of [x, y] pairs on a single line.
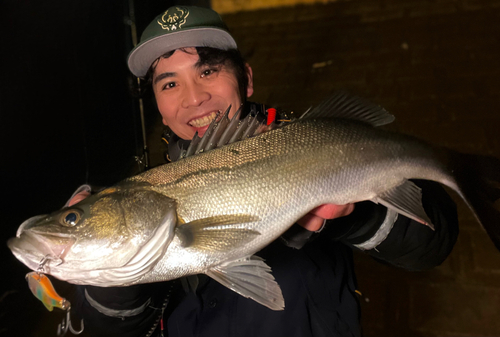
{"points": [[311, 222], [331, 211]]}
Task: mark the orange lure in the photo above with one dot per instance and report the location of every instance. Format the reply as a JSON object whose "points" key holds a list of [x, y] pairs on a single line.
{"points": [[43, 289]]}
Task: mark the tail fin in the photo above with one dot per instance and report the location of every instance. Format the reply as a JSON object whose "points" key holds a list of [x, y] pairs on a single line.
{"points": [[478, 179]]}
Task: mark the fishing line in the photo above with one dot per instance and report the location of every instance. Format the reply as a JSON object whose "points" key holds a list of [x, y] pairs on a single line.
{"points": [[144, 159], [83, 124]]}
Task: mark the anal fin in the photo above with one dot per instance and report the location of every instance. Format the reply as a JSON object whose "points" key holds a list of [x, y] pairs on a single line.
{"points": [[406, 199], [251, 278]]}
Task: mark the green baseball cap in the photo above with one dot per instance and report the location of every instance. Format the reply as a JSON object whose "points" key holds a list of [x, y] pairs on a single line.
{"points": [[179, 27]]}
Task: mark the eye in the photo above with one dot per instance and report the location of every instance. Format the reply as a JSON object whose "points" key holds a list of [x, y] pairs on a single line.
{"points": [[70, 218], [208, 72], [169, 85]]}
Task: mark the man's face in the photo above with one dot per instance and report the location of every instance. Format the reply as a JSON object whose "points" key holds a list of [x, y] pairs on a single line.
{"points": [[190, 95]]}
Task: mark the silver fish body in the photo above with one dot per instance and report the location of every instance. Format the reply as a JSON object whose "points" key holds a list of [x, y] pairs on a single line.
{"points": [[279, 177], [209, 213]]}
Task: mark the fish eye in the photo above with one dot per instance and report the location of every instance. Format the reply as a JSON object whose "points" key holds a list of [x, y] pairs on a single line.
{"points": [[70, 218]]}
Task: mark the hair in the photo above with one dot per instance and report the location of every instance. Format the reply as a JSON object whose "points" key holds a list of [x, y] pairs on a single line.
{"points": [[231, 59]]}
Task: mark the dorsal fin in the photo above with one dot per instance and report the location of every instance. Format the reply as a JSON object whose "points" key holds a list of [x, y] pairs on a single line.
{"points": [[231, 127], [227, 131], [343, 105], [200, 144]]}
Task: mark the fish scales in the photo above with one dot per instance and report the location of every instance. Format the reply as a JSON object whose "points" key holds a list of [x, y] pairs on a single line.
{"points": [[327, 164]]}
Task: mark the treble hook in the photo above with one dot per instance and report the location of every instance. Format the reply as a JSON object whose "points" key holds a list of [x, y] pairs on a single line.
{"points": [[66, 325]]}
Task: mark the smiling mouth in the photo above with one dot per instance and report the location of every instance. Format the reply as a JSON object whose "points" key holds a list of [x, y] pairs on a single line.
{"points": [[203, 121]]}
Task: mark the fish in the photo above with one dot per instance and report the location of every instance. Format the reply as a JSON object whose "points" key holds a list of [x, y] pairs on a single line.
{"points": [[230, 196]]}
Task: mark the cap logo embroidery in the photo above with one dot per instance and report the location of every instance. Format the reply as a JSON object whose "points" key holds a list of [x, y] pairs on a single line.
{"points": [[174, 19]]}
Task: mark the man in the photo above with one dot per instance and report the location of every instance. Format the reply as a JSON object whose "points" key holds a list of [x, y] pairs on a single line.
{"points": [[191, 62]]}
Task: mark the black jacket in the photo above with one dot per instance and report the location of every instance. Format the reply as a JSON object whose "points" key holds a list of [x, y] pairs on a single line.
{"points": [[317, 281]]}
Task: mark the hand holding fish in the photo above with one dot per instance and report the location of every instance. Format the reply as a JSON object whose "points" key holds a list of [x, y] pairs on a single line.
{"points": [[313, 221]]}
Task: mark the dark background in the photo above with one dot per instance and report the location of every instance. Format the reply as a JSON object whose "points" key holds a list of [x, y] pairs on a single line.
{"points": [[67, 118]]}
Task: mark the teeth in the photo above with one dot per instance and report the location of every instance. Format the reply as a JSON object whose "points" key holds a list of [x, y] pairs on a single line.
{"points": [[203, 121]]}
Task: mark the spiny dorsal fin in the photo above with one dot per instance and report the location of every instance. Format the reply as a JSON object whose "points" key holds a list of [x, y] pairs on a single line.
{"points": [[225, 131], [200, 144], [343, 105]]}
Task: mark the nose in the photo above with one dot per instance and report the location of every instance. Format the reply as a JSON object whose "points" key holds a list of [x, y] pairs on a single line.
{"points": [[194, 95]]}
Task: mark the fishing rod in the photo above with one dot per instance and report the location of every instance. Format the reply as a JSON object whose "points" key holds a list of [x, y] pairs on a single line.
{"points": [[143, 160]]}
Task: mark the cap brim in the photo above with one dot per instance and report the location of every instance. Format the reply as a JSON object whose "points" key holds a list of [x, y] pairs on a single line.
{"points": [[141, 57]]}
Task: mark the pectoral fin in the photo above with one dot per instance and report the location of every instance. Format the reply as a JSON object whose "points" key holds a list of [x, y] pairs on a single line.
{"points": [[406, 199], [218, 233], [251, 278]]}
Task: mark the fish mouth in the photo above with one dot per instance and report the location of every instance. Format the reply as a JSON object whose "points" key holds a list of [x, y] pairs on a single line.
{"points": [[31, 248], [204, 120]]}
